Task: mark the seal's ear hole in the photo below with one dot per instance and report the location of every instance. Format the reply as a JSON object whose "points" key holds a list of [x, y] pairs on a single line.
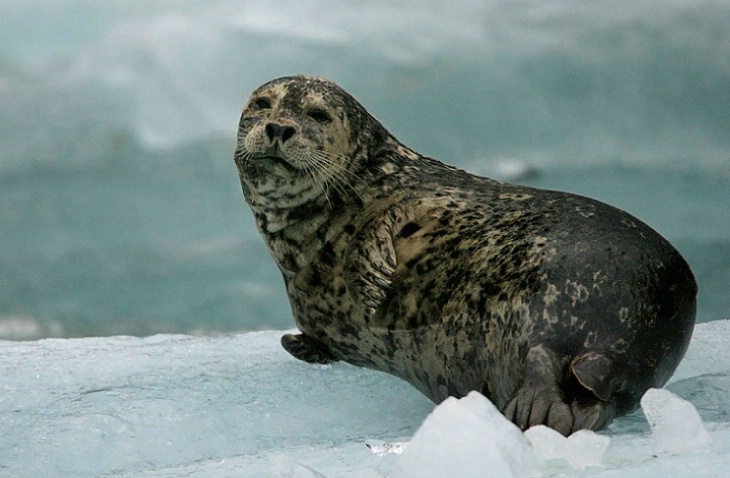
{"points": [[319, 115]]}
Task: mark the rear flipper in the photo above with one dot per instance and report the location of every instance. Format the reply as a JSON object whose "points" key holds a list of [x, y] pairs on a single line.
{"points": [[307, 349], [544, 405], [594, 403], [584, 402]]}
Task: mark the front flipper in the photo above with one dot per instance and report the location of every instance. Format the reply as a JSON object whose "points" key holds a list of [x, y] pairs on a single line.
{"points": [[369, 269], [307, 349]]}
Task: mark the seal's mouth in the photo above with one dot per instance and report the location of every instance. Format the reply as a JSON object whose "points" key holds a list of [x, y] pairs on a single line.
{"points": [[276, 160], [258, 161]]}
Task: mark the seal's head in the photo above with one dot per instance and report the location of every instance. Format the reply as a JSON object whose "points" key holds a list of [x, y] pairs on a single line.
{"points": [[300, 138]]}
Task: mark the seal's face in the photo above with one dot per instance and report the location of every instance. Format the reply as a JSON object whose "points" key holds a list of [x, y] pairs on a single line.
{"points": [[296, 141]]}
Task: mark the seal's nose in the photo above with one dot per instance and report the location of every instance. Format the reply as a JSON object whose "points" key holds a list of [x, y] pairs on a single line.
{"points": [[275, 130]]}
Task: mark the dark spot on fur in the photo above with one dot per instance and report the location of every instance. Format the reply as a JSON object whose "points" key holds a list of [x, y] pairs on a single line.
{"points": [[315, 279], [409, 229], [438, 233], [304, 212], [328, 254], [445, 218], [425, 267]]}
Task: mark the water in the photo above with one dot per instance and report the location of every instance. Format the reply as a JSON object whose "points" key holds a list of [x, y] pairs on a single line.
{"points": [[122, 212]]}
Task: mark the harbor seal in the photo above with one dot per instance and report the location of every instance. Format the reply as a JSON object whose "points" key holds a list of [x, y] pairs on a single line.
{"points": [[560, 309]]}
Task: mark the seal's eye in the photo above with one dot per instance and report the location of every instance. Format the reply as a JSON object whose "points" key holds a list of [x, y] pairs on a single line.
{"points": [[320, 116], [261, 104]]}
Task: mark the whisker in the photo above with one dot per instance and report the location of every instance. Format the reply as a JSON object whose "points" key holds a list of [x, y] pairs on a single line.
{"points": [[319, 180], [326, 173], [341, 177], [339, 182]]}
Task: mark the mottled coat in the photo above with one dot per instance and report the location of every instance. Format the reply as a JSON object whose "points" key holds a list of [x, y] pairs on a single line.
{"points": [[561, 309]]}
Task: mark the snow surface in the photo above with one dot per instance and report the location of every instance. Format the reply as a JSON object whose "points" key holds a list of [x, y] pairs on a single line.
{"points": [[239, 406]]}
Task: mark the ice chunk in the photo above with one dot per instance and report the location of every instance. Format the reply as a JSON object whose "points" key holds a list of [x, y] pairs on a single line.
{"points": [[586, 448], [510, 169], [466, 438], [28, 328], [380, 448], [548, 443], [675, 424], [581, 449]]}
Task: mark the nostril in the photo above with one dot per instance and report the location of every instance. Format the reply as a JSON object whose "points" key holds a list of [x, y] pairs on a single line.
{"points": [[288, 133], [272, 130]]}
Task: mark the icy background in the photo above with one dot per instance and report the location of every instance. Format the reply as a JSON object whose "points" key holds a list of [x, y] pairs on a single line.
{"points": [[122, 215], [121, 209], [239, 406]]}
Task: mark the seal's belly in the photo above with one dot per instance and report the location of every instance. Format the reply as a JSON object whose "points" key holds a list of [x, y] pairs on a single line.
{"points": [[458, 350], [419, 357]]}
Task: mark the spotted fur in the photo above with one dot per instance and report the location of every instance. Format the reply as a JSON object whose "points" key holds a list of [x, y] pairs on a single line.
{"points": [[561, 309]]}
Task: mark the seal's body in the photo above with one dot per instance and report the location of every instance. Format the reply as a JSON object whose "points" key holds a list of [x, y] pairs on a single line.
{"points": [[560, 309]]}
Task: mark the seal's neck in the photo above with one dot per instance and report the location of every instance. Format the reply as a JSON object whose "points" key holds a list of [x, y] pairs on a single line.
{"points": [[295, 230], [297, 217]]}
